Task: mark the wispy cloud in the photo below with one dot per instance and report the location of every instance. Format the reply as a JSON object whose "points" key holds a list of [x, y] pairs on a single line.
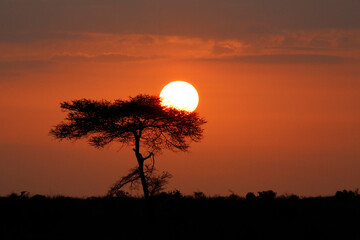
{"points": [[196, 18], [110, 57], [25, 64], [10, 69], [284, 59]]}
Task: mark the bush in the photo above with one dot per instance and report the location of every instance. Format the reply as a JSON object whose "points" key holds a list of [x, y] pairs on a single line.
{"points": [[266, 195], [199, 195], [250, 196], [342, 195]]}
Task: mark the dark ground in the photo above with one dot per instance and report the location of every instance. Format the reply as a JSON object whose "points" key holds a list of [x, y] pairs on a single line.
{"points": [[173, 216]]}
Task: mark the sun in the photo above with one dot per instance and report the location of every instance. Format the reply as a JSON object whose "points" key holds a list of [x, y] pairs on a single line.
{"points": [[180, 95]]}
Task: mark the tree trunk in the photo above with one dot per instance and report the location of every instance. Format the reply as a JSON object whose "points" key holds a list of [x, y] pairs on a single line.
{"points": [[142, 177], [140, 160]]}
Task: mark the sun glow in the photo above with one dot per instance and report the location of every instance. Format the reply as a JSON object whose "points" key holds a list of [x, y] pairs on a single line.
{"points": [[180, 95]]}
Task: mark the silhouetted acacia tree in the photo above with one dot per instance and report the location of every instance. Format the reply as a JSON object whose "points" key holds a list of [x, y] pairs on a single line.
{"points": [[140, 122]]}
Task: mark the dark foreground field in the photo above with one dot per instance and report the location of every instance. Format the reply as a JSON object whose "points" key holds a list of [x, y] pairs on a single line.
{"points": [[173, 216]]}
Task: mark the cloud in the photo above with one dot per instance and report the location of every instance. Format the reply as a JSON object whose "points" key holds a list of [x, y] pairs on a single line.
{"points": [[285, 59], [146, 40], [349, 42], [10, 69], [222, 50], [17, 67], [320, 43], [111, 57], [25, 36], [14, 68], [26, 64], [135, 30], [195, 18]]}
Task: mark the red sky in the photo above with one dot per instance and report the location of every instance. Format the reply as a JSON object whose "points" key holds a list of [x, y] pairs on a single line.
{"points": [[278, 83]]}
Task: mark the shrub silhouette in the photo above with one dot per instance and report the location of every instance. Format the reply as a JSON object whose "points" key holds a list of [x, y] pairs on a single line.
{"points": [[175, 193], [233, 196], [267, 195], [344, 195], [199, 195], [292, 197], [250, 196], [38, 197]]}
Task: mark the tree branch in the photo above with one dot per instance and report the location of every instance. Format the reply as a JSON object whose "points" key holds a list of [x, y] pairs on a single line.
{"points": [[150, 154]]}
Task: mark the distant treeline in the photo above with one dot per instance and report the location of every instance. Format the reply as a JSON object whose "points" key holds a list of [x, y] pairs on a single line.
{"points": [[172, 215], [263, 195]]}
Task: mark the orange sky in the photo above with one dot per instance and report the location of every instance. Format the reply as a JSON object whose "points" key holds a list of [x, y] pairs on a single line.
{"points": [[278, 84]]}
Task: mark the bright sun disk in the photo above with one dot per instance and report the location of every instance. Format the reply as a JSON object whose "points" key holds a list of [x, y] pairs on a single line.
{"points": [[180, 95]]}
